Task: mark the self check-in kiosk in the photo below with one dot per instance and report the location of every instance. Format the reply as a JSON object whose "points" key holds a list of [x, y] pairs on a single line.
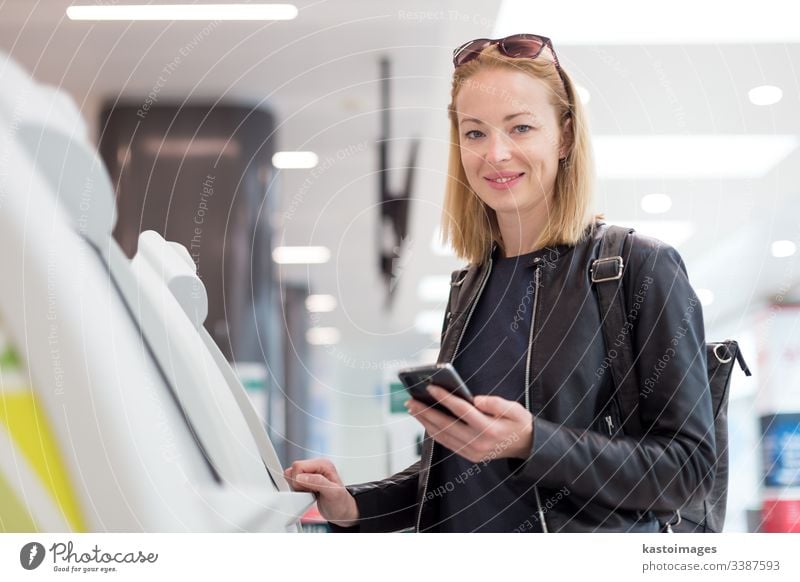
{"points": [[117, 410]]}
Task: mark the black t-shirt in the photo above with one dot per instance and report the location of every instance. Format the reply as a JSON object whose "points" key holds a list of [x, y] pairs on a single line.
{"points": [[491, 360]]}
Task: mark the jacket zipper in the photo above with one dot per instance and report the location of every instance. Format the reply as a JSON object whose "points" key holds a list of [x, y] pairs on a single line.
{"points": [[537, 280], [452, 358], [609, 418], [610, 424]]}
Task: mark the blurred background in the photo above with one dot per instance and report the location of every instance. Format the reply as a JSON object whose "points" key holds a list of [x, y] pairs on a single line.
{"points": [[302, 163]]}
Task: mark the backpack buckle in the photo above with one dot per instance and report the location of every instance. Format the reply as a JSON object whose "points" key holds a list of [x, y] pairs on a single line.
{"points": [[595, 270], [723, 357]]}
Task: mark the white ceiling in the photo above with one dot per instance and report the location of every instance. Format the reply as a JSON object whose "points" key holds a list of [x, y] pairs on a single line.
{"points": [[319, 74]]}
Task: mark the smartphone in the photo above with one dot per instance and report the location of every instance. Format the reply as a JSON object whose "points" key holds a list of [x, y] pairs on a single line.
{"points": [[416, 381]]}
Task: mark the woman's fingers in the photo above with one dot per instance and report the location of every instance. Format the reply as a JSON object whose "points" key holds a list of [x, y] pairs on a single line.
{"points": [[314, 482], [456, 445], [458, 406], [497, 406], [497, 423], [461, 438], [314, 466], [437, 422], [333, 500], [317, 484]]}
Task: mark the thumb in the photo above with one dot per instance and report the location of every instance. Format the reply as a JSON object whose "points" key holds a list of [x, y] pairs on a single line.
{"points": [[496, 406]]}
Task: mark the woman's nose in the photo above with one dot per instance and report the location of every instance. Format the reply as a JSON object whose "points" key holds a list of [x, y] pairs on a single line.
{"points": [[498, 149]]}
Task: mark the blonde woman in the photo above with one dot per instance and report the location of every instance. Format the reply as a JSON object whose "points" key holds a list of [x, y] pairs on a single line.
{"points": [[542, 449]]}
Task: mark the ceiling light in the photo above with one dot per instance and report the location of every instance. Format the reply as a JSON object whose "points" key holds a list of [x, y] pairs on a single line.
{"points": [[323, 336], [320, 303], [300, 255], [706, 296], [195, 147], [600, 23], [295, 160], [208, 12], [656, 203], [765, 95], [434, 288], [690, 156], [783, 248]]}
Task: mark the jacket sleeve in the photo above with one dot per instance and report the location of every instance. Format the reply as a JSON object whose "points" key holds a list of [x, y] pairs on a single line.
{"points": [[386, 505], [391, 504], [673, 462]]}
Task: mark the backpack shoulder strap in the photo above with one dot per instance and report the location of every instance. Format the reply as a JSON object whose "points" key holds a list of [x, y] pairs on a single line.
{"points": [[607, 276]]}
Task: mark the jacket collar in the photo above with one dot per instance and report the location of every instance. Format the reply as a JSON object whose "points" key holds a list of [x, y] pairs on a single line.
{"points": [[551, 254]]}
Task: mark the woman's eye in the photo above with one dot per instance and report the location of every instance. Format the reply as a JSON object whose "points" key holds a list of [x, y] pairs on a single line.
{"points": [[522, 128], [473, 134]]}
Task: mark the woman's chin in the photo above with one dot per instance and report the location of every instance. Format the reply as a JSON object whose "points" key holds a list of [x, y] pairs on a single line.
{"points": [[514, 205], [504, 203]]}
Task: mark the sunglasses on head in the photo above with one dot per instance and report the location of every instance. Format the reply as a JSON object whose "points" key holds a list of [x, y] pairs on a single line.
{"points": [[516, 46]]}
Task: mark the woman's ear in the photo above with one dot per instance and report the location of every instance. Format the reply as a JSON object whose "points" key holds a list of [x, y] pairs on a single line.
{"points": [[567, 139]]}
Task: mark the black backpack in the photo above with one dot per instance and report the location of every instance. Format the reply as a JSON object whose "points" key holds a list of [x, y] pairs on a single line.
{"points": [[708, 514]]}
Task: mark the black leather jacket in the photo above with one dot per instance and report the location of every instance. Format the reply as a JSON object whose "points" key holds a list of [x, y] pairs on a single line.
{"points": [[584, 473]]}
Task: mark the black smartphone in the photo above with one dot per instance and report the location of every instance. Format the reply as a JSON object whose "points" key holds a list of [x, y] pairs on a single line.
{"points": [[416, 381]]}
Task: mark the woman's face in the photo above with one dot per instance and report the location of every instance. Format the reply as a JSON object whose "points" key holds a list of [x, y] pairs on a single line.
{"points": [[510, 142]]}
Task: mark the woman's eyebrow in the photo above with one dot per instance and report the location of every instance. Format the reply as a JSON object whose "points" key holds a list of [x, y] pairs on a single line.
{"points": [[506, 118]]}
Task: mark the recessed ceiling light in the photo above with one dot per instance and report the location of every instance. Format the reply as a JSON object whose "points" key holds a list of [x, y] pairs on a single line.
{"points": [[434, 288], [783, 248], [323, 336], [765, 95], [656, 203], [621, 157], [706, 296], [208, 147], [208, 12], [295, 160], [300, 255], [320, 303]]}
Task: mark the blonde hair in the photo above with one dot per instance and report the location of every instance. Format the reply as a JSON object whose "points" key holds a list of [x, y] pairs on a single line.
{"points": [[468, 224]]}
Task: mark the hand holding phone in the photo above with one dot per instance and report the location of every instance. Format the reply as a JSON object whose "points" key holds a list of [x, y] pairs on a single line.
{"points": [[416, 381]]}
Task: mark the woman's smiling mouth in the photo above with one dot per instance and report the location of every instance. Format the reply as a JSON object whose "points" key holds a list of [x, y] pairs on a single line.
{"points": [[503, 180]]}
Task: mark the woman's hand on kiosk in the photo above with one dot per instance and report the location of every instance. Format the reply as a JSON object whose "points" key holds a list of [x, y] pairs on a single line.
{"points": [[319, 476], [494, 428]]}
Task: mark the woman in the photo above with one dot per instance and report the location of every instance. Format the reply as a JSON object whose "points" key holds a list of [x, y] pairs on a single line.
{"points": [[541, 449]]}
